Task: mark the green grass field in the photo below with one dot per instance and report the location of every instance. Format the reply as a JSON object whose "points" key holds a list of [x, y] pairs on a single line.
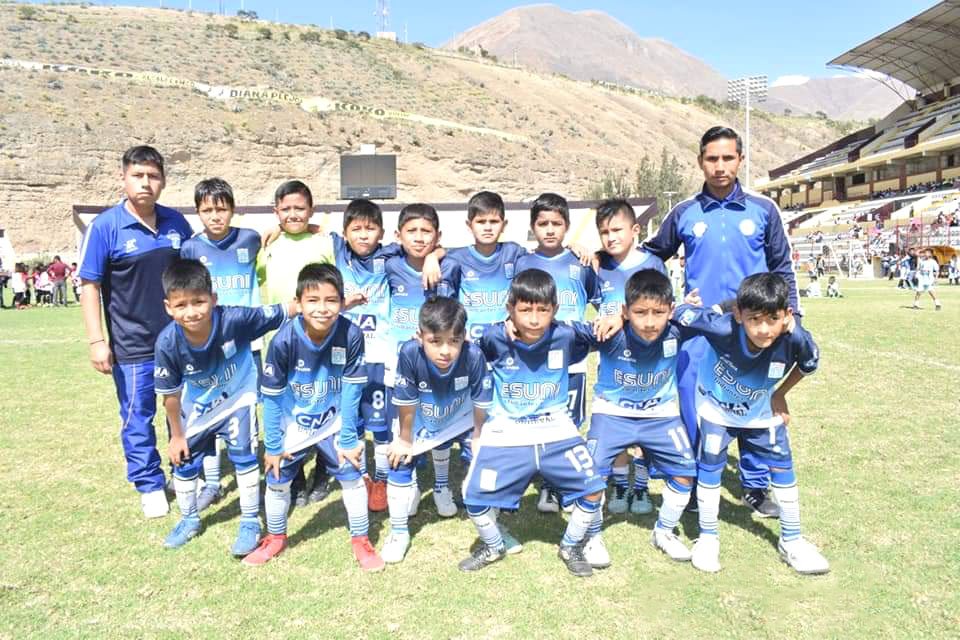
{"points": [[875, 437]]}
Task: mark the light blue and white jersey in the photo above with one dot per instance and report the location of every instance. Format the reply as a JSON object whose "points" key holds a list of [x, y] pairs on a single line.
{"points": [[577, 285], [218, 377], [367, 275], [307, 379], [483, 282], [927, 271], [232, 263], [444, 399], [613, 277], [733, 384], [638, 379]]}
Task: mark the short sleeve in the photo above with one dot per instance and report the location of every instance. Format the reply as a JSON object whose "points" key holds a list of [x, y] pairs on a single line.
{"points": [[167, 378], [481, 382], [808, 354], [95, 252], [256, 321], [405, 391], [273, 381], [355, 369], [699, 321]]}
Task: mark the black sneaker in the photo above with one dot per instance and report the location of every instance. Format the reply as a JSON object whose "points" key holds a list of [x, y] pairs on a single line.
{"points": [[759, 501], [299, 490], [576, 561], [692, 506], [321, 486], [483, 556]]}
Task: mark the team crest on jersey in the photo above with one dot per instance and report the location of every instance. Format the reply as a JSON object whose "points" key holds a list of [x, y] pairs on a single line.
{"points": [[555, 359], [243, 255], [574, 272], [130, 246], [160, 372], [338, 355], [670, 348], [204, 260], [776, 370], [508, 270], [229, 349], [174, 239], [687, 317], [378, 265], [748, 227], [699, 229], [422, 385], [460, 383]]}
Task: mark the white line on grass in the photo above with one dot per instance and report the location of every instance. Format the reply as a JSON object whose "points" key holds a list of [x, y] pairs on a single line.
{"points": [[849, 348]]}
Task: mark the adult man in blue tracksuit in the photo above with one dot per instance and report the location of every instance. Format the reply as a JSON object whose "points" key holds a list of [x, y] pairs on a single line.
{"points": [[125, 250], [727, 234]]}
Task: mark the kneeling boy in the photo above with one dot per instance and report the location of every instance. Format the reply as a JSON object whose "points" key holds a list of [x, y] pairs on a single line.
{"points": [[313, 378], [442, 392], [529, 430]]}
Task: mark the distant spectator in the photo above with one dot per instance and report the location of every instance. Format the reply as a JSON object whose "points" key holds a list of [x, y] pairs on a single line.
{"points": [[813, 289], [19, 286], [75, 281], [833, 288], [57, 271]]}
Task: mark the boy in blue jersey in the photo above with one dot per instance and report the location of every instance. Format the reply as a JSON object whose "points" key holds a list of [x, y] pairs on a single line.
{"points": [[313, 378], [418, 232], [529, 430], [205, 373], [750, 352], [635, 404], [230, 255], [442, 391], [577, 286], [619, 259]]}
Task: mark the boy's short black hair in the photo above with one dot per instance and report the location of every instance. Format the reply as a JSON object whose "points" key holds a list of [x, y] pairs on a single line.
{"points": [[418, 211], [363, 209], [293, 186], [549, 202], [217, 189], [440, 314], [719, 133], [186, 274], [763, 292], [142, 154], [609, 208], [485, 202], [648, 283], [315, 274], [533, 286]]}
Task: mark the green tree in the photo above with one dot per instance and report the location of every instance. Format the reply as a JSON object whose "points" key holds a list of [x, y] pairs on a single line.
{"points": [[651, 179]]}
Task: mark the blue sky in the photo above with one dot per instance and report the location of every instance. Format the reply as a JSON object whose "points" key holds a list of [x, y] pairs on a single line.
{"points": [[737, 37]]}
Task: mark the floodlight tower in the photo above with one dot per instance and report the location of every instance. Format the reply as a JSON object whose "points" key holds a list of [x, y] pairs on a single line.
{"points": [[383, 15], [741, 91]]}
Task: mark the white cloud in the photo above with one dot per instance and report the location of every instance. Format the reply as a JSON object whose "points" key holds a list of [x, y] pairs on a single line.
{"points": [[789, 81]]}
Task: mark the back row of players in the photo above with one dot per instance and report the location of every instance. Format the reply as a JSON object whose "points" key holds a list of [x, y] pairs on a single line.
{"points": [[484, 344]]}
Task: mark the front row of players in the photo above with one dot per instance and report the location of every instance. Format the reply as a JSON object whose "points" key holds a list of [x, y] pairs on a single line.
{"points": [[505, 392]]}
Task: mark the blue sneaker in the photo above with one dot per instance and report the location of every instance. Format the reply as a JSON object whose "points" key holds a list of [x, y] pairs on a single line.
{"points": [[248, 537], [185, 530], [208, 496]]}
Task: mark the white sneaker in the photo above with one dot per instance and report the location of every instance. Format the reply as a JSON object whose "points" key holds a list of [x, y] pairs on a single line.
{"points": [[395, 548], [706, 554], [414, 501], [803, 556], [670, 544], [596, 552], [548, 502], [443, 498], [154, 504]]}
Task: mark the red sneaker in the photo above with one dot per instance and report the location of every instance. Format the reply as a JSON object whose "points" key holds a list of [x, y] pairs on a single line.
{"points": [[376, 494], [365, 554], [269, 547]]}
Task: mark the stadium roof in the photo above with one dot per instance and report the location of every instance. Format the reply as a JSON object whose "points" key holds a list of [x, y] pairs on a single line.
{"points": [[923, 52]]}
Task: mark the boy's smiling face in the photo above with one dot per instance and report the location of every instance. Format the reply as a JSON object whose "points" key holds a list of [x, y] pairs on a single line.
{"points": [[320, 307], [192, 310], [293, 211]]}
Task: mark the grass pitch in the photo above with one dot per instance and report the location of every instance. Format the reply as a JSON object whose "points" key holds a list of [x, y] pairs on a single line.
{"points": [[875, 438]]}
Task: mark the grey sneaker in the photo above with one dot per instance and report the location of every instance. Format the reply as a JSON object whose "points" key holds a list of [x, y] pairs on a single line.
{"points": [[576, 561], [481, 558], [208, 495], [759, 501]]}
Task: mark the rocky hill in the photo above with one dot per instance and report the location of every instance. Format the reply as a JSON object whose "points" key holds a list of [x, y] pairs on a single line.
{"points": [[259, 103], [840, 97]]}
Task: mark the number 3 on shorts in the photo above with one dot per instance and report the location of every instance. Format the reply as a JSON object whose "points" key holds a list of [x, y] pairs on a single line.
{"points": [[579, 457]]}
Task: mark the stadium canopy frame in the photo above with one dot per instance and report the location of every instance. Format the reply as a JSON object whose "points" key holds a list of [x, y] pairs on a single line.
{"points": [[922, 52]]}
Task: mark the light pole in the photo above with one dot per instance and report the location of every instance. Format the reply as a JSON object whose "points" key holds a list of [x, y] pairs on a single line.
{"points": [[740, 91]]}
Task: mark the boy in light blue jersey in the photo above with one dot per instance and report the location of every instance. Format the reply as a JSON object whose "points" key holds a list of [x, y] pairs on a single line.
{"points": [[205, 373], [418, 231], [442, 391], [756, 355], [529, 431], [635, 404], [577, 286], [621, 258], [313, 378], [482, 273], [230, 255]]}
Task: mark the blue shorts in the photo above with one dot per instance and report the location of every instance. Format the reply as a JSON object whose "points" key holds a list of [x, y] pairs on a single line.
{"points": [[326, 455], [403, 474], [768, 446], [499, 476], [376, 410], [577, 398], [663, 440], [238, 430]]}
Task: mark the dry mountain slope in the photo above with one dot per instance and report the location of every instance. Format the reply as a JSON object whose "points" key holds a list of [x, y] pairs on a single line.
{"points": [[841, 97], [61, 134], [595, 46]]}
